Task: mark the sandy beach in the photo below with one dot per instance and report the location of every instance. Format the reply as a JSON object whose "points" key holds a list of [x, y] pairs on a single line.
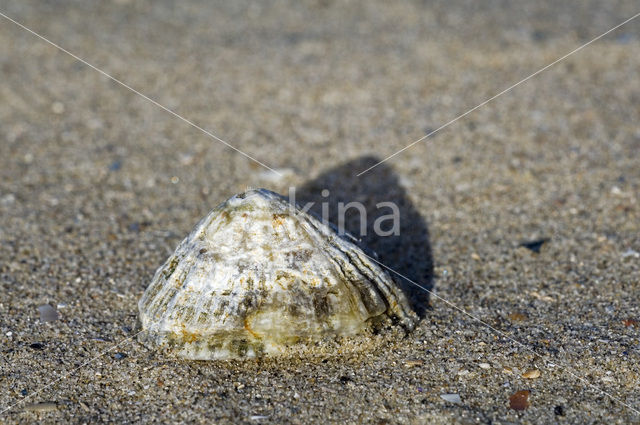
{"points": [[521, 218]]}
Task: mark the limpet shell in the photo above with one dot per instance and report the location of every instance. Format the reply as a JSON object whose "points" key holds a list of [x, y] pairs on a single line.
{"points": [[258, 276]]}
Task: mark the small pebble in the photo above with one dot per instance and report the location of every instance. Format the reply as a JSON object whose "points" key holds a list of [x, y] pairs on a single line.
{"points": [[115, 165], [47, 313], [518, 317], [541, 297], [187, 158], [519, 400], [8, 199], [451, 398], [413, 363], [24, 392], [534, 245], [345, 379], [484, 366], [630, 253], [531, 374], [119, 356], [37, 346]]}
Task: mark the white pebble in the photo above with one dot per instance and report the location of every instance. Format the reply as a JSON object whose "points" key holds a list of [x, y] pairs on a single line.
{"points": [[451, 398], [47, 313]]}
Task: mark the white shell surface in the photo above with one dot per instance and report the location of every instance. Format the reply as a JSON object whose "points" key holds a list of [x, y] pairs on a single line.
{"points": [[256, 277]]}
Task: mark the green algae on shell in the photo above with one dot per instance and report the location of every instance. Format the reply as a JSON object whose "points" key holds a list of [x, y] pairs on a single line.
{"points": [[258, 277]]}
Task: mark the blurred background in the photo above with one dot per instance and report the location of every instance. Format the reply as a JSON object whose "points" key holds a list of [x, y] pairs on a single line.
{"points": [[98, 185]]}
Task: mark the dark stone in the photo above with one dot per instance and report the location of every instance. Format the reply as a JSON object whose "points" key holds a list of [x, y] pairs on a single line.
{"points": [[115, 165], [535, 245]]}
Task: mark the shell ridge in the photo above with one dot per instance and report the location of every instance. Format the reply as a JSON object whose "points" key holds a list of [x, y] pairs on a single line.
{"points": [[383, 291], [395, 299]]}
